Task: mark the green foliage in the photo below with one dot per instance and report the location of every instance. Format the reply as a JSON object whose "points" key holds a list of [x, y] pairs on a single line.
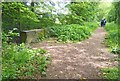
{"points": [[19, 61], [45, 13], [73, 32], [111, 73], [114, 14], [70, 19], [42, 36], [91, 25], [117, 59], [117, 11], [17, 15], [79, 12], [14, 32], [11, 36], [112, 39], [111, 27], [4, 37], [104, 10], [111, 15], [46, 19], [82, 11]]}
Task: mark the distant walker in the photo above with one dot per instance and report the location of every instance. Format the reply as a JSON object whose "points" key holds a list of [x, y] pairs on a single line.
{"points": [[103, 22]]}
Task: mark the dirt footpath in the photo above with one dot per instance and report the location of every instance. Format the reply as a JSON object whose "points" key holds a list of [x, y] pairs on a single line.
{"points": [[78, 60]]}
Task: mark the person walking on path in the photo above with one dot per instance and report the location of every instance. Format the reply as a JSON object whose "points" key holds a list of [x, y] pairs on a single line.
{"points": [[103, 22]]}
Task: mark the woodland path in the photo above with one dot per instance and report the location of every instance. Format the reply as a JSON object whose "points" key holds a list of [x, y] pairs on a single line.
{"points": [[78, 60]]}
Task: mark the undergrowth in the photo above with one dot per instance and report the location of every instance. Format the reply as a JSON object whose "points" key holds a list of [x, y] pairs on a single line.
{"points": [[112, 41], [112, 74], [73, 32], [20, 61]]}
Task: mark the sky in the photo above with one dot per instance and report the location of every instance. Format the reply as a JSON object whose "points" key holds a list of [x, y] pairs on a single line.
{"points": [[59, 0], [61, 7], [84, 0], [60, 4]]}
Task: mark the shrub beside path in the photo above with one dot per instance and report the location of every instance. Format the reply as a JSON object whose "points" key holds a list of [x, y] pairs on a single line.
{"points": [[78, 60]]}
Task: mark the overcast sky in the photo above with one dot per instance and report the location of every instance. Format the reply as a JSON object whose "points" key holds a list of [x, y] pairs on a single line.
{"points": [[60, 6]]}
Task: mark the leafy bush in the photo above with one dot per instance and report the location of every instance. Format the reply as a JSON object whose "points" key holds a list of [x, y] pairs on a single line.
{"points": [[111, 73], [19, 61], [111, 27], [11, 36], [18, 15], [113, 37], [112, 41], [73, 32], [91, 25]]}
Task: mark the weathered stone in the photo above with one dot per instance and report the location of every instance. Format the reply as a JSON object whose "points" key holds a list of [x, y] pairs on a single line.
{"points": [[29, 36]]}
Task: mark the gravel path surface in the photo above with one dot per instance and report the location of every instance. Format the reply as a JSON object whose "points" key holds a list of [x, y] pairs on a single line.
{"points": [[81, 60]]}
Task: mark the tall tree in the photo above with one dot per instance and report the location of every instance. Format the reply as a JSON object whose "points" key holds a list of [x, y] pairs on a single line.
{"points": [[81, 11], [17, 15], [117, 7]]}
